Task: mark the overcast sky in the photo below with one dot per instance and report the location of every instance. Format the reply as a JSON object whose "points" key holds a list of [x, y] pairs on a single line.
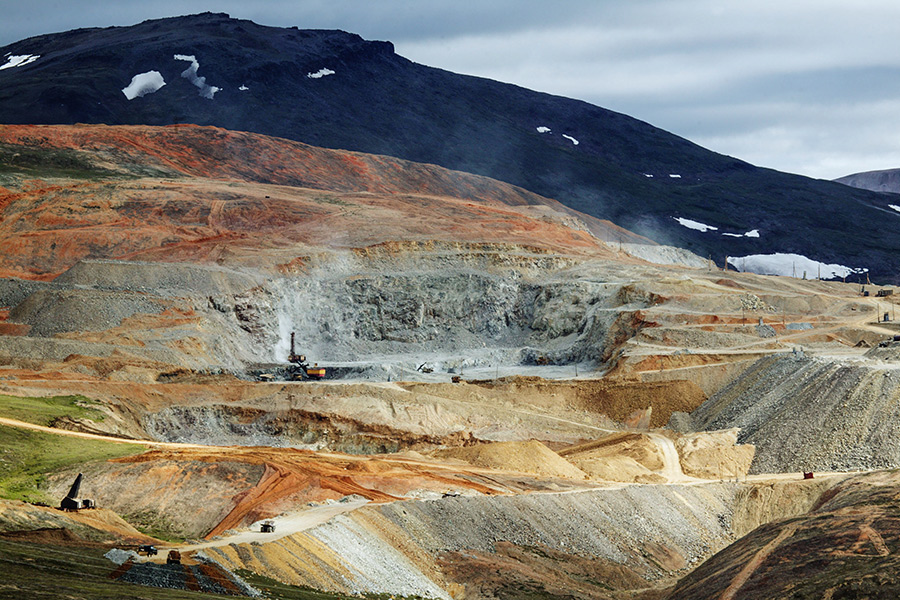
{"points": [[804, 86]]}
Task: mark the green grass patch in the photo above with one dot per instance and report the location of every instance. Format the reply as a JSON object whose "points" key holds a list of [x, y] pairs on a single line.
{"points": [[59, 163], [43, 411], [155, 524], [27, 457]]}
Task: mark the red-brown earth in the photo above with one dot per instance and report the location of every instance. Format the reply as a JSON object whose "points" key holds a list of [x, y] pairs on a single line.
{"points": [[202, 194]]}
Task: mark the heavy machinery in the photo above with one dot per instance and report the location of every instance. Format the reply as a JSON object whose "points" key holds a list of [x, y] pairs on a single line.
{"points": [[173, 558], [72, 501], [303, 369], [148, 549], [267, 527]]}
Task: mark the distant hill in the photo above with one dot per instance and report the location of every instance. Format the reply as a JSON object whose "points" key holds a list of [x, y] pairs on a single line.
{"points": [[203, 194], [334, 89], [887, 180]]}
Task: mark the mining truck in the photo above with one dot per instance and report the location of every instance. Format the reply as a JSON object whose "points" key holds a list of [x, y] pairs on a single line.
{"points": [[267, 527], [303, 370]]}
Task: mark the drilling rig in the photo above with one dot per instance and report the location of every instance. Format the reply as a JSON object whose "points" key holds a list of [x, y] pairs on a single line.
{"points": [[303, 369], [72, 502]]}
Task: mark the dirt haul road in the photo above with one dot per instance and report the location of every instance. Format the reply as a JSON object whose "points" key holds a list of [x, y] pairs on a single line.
{"points": [[285, 525]]}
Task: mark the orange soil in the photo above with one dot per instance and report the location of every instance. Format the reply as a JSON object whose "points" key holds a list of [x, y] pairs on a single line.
{"points": [[232, 197], [294, 476]]}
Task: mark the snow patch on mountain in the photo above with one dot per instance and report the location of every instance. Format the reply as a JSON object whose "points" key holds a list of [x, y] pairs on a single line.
{"points": [[894, 206], [697, 225], [674, 175], [790, 265], [143, 84], [243, 88], [19, 60], [320, 73], [571, 139], [753, 233], [543, 129], [207, 91]]}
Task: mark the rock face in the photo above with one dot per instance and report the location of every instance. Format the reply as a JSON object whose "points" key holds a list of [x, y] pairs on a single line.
{"points": [[453, 309], [334, 89]]}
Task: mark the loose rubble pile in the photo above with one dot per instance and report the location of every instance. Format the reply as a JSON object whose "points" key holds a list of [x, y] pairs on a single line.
{"points": [[810, 414], [205, 576]]}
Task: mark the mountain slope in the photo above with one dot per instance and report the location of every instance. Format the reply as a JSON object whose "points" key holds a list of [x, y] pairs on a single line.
{"points": [[843, 548], [190, 193], [334, 89], [887, 180]]}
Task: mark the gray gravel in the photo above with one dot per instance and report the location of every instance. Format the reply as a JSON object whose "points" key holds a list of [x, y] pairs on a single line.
{"points": [[14, 290], [120, 557], [177, 576], [160, 279], [49, 312], [808, 414]]}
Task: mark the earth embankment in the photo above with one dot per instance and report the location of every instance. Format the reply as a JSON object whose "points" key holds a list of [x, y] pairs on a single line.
{"points": [[845, 547], [544, 540], [812, 413]]}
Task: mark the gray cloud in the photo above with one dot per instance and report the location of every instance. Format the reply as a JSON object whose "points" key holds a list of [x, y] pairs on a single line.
{"points": [[806, 86]]}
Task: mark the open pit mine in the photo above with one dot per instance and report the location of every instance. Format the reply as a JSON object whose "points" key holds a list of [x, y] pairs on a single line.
{"points": [[280, 370]]}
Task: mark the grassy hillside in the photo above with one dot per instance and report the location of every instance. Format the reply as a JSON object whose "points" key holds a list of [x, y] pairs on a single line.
{"points": [[26, 457]]}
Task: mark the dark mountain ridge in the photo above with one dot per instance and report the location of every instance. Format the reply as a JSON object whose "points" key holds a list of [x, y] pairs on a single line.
{"points": [[334, 89]]}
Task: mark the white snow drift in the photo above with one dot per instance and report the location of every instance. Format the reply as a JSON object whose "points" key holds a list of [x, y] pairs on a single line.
{"points": [[143, 84], [892, 206], [571, 139], [19, 60], [697, 225], [791, 265], [753, 233], [320, 73], [207, 91], [543, 129]]}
